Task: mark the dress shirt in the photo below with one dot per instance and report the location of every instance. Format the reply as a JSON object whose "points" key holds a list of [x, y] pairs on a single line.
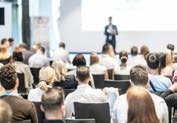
{"points": [[97, 69], [35, 95], [122, 70], [83, 94], [61, 54], [120, 109], [108, 62], [38, 60]]}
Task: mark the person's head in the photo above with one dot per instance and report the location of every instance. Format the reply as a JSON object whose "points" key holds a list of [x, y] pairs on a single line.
{"points": [[153, 61], [17, 56], [141, 108], [8, 77], [83, 75], [42, 49], [23, 47], [52, 103], [144, 50], [139, 76], [60, 70], [162, 61], [110, 20], [5, 112], [5, 43], [79, 60], [123, 56], [94, 58], [62, 44], [171, 47], [106, 48], [11, 41], [46, 77], [134, 51], [169, 57]]}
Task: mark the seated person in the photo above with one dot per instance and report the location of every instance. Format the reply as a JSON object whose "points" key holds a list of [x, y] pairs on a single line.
{"points": [[95, 67], [5, 112], [52, 105], [21, 108], [133, 60], [83, 93], [5, 57], [158, 83], [138, 77]]}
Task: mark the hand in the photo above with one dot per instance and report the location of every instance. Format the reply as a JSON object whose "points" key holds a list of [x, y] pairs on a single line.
{"points": [[173, 87]]}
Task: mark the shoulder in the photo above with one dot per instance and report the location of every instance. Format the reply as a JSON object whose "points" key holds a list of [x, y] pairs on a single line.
{"points": [[157, 99]]}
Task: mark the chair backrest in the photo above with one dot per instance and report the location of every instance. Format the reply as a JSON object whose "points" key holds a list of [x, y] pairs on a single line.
{"points": [[80, 120], [121, 77], [122, 85], [24, 121], [68, 91], [21, 88], [110, 73], [40, 114], [99, 111], [35, 73], [98, 80]]}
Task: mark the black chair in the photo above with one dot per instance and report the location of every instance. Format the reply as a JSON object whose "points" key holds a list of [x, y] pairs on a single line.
{"points": [[122, 85], [121, 77], [35, 73], [110, 73], [21, 88], [40, 114], [99, 111], [80, 120], [98, 80], [68, 91]]}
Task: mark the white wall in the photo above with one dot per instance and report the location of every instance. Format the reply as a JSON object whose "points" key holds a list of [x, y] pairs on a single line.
{"points": [[6, 30], [84, 41]]}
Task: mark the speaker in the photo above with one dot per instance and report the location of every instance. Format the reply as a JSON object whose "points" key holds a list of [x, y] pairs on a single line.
{"points": [[2, 18]]}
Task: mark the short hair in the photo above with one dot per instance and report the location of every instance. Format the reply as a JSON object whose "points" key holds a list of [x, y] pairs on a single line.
{"points": [[79, 60], [139, 75], [144, 50], [110, 17], [42, 49], [23, 45], [11, 40], [123, 56], [17, 56], [52, 99], [134, 50], [153, 61], [94, 58], [171, 47], [62, 44], [3, 40], [105, 48], [8, 76], [82, 73], [5, 112]]}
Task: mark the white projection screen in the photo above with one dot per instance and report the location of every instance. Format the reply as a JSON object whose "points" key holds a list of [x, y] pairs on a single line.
{"points": [[150, 22]]}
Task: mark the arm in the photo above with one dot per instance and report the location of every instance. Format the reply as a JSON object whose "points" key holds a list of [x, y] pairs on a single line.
{"points": [[116, 31], [105, 31], [33, 114]]}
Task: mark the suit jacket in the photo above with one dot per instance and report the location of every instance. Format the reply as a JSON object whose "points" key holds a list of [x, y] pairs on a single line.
{"points": [[114, 27]]}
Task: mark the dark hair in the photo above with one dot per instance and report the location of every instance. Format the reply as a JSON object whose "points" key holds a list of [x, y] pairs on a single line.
{"points": [[62, 44], [162, 61], [79, 60], [83, 73], [52, 99], [139, 75], [8, 76], [42, 49], [105, 48], [141, 107], [94, 58], [171, 47], [17, 56], [3, 40], [153, 61], [134, 51], [110, 17], [123, 56], [11, 40]]}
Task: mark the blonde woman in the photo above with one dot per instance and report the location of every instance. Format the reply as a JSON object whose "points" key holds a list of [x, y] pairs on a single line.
{"points": [[47, 77], [4, 55], [63, 80]]}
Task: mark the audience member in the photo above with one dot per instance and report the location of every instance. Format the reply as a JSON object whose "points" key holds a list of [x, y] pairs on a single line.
{"points": [[5, 112], [53, 105], [111, 51], [95, 67], [61, 54], [158, 83], [144, 51], [47, 77], [38, 60], [5, 43], [133, 60], [11, 43], [21, 108], [171, 47], [20, 67], [140, 106], [123, 68], [106, 60], [4, 56], [138, 77], [84, 93]]}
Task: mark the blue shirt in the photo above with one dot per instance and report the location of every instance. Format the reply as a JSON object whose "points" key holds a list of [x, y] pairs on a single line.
{"points": [[10, 94], [160, 83]]}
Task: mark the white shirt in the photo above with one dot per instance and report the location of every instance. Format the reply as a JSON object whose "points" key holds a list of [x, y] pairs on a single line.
{"points": [[84, 94], [122, 70], [97, 69], [38, 60], [61, 54], [108, 61], [35, 95], [120, 109]]}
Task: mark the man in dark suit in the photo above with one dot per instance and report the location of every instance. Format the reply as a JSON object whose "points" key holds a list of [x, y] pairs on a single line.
{"points": [[111, 32]]}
